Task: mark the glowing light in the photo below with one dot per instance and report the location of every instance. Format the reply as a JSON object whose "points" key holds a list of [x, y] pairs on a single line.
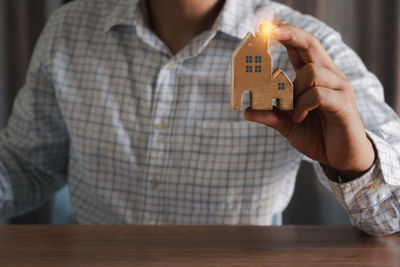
{"points": [[267, 28]]}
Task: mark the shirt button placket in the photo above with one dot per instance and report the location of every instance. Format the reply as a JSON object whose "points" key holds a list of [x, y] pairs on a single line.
{"points": [[154, 183], [161, 126], [164, 92], [171, 65]]}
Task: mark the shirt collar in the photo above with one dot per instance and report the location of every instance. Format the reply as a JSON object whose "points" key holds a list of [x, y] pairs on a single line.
{"points": [[236, 19], [124, 13]]}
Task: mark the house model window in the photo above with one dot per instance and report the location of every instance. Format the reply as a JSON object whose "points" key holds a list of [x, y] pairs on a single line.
{"points": [[281, 86], [249, 64]]}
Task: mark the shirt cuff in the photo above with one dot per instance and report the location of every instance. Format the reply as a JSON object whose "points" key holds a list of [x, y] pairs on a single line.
{"points": [[388, 160], [348, 192], [383, 172]]}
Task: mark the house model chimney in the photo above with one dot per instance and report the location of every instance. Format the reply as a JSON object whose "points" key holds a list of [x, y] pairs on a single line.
{"points": [[265, 32]]}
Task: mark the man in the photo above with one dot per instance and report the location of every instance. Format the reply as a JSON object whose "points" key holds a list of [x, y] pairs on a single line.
{"points": [[129, 102]]}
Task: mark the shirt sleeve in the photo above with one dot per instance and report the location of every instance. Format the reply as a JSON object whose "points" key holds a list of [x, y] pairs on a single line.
{"points": [[34, 146], [372, 200]]}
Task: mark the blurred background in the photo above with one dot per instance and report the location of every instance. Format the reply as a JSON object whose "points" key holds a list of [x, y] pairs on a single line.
{"points": [[370, 27]]}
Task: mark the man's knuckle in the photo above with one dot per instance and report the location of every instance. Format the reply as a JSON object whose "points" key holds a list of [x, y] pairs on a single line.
{"points": [[318, 94], [310, 66], [346, 85], [349, 97], [312, 41], [312, 72], [314, 69]]}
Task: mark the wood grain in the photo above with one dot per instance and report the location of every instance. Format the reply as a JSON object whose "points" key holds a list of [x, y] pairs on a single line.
{"points": [[82, 245]]}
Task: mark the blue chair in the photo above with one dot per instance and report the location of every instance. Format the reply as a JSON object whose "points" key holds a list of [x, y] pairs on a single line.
{"points": [[61, 206]]}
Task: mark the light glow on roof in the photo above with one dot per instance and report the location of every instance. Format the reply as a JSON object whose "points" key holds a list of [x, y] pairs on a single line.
{"points": [[267, 28]]}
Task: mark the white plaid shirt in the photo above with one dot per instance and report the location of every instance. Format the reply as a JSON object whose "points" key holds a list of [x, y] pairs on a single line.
{"points": [[146, 137]]}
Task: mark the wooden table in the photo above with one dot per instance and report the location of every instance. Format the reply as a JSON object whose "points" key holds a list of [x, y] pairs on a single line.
{"points": [[194, 246]]}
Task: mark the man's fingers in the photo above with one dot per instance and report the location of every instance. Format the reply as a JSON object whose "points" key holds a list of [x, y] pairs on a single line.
{"points": [[277, 119], [295, 58], [305, 46], [308, 46], [316, 97], [312, 75]]}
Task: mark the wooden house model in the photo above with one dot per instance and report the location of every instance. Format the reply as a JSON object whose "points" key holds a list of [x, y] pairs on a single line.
{"points": [[251, 70]]}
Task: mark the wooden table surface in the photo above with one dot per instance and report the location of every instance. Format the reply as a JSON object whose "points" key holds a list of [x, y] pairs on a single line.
{"points": [[84, 245]]}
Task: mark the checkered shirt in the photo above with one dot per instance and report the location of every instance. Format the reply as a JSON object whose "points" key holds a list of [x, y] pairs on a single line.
{"points": [[142, 136]]}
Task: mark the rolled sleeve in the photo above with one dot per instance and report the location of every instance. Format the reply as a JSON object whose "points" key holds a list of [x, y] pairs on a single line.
{"points": [[35, 144], [372, 200]]}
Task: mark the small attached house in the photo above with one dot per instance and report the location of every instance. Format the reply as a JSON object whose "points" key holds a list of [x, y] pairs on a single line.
{"points": [[251, 70]]}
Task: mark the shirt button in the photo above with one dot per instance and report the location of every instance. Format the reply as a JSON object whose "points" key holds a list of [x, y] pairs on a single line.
{"points": [[171, 65], [391, 170], [373, 186], [161, 126], [154, 183]]}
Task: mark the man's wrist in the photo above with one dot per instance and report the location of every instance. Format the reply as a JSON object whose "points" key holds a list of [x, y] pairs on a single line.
{"points": [[350, 175], [336, 177]]}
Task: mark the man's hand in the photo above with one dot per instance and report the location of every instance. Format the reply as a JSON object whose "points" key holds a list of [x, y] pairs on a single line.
{"points": [[325, 124]]}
